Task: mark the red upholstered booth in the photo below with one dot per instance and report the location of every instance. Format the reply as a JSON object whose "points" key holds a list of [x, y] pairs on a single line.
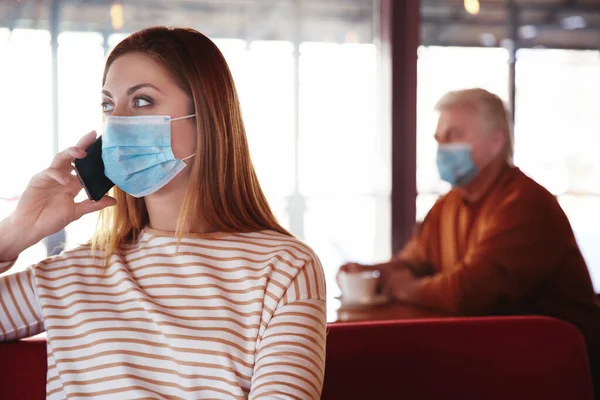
{"points": [[477, 358], [465, 358], [23, 370]]}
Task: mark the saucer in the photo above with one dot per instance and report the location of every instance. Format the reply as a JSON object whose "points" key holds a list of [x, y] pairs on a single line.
{"points": [[376, 300]]}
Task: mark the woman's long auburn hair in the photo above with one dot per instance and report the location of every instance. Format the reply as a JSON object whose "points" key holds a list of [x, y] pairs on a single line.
{"points": [[224, 193]]}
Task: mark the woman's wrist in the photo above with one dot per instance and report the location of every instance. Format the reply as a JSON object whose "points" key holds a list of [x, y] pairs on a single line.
{"points": [[13, 240]]}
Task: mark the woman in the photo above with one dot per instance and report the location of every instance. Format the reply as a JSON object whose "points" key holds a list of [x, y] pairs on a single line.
{"points": [[189, 288]]}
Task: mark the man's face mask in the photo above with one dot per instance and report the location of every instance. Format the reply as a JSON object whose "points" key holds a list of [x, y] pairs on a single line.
{"points": [[137, 153], [455, 163]]}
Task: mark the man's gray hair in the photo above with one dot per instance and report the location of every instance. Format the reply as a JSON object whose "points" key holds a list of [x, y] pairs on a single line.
{"points": [[491, 109]]}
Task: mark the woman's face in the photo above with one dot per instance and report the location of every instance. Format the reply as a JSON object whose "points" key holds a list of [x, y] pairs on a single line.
{"points": [[138, 85]]}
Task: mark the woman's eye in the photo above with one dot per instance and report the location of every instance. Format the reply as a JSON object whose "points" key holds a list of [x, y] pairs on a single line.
{"points": [[106, 106], [140, 102]]}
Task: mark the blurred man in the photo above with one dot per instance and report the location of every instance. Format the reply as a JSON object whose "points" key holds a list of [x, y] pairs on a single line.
{"points": [[497, 243]]}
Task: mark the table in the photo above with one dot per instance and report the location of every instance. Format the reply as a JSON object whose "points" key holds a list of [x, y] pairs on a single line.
{"points": [[393, 310]]}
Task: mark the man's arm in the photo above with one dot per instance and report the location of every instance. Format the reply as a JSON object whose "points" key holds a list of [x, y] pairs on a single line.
{"points": [[415, 255], [520, 246]]}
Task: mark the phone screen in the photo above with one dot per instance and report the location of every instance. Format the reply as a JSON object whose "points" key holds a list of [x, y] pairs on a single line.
{"points": [[90, 171]]}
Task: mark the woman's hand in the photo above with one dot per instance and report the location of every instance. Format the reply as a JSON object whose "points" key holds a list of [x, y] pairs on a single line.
{"points": [[48, 203]]}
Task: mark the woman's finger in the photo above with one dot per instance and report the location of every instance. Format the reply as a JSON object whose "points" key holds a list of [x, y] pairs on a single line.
{"points": [[86, 140], [88, 206], [74, 186], [63, 159], [58, 176]]}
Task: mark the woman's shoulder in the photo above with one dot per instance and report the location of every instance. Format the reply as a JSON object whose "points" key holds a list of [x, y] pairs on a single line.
{"points": [[299, 268], [277, 242], [80, 255]]}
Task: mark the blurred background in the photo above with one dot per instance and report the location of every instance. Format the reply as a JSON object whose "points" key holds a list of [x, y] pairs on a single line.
{"points": [[340, 128]]}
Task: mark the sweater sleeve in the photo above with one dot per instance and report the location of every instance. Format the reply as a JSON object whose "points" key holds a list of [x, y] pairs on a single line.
{"points": [[416, 253], [290, 359], [20, 314], [519, 246], [6, 265]]}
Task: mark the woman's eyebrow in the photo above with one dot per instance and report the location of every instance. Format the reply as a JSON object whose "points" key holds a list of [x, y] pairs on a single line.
{"points": [[132, 89]]}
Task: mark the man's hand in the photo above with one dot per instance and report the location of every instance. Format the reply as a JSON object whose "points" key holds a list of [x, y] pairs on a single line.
{"points": [[354, 267], [399, 284], [350, 268], [386, 269]]}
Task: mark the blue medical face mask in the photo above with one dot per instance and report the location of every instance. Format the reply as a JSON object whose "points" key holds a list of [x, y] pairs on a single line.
{"points": [[137, 153], [455, 163]]}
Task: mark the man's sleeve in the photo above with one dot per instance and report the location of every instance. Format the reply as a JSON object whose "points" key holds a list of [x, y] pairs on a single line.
{"points": [[519, 247], [416, 253]]}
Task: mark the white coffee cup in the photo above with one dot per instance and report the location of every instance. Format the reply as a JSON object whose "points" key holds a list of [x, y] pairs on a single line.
{"points": [[359, 287]]}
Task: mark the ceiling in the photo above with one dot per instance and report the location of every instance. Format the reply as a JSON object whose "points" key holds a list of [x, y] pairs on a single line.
{"points": [[306, 20], [568, 24]]}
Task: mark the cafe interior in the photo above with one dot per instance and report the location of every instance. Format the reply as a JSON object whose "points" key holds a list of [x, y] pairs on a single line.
{"points": [[338, 99]]}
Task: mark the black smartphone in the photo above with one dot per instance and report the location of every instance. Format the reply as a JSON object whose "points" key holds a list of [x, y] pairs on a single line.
{"points": [[90, 171]]}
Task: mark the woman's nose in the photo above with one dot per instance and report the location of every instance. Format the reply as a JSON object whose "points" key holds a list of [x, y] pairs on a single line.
{"points": [[121, 111], [441, 138]]}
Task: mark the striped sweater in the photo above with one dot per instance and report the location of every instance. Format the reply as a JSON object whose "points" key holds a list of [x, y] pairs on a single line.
{"points": [[222, 316]]}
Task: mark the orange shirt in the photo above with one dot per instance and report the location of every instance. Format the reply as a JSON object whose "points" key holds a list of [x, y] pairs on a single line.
{"points": [[511, 252]]}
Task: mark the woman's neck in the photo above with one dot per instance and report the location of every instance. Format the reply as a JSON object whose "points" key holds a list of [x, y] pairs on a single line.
{"points": [[163, 211]]}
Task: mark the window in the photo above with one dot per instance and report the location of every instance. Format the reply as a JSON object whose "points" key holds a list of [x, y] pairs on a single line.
{"points": [[556, 136], [314, 132], [26, 123]]}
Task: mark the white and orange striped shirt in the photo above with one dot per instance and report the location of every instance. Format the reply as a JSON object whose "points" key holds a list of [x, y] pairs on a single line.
{"points": [[222, 316]]}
